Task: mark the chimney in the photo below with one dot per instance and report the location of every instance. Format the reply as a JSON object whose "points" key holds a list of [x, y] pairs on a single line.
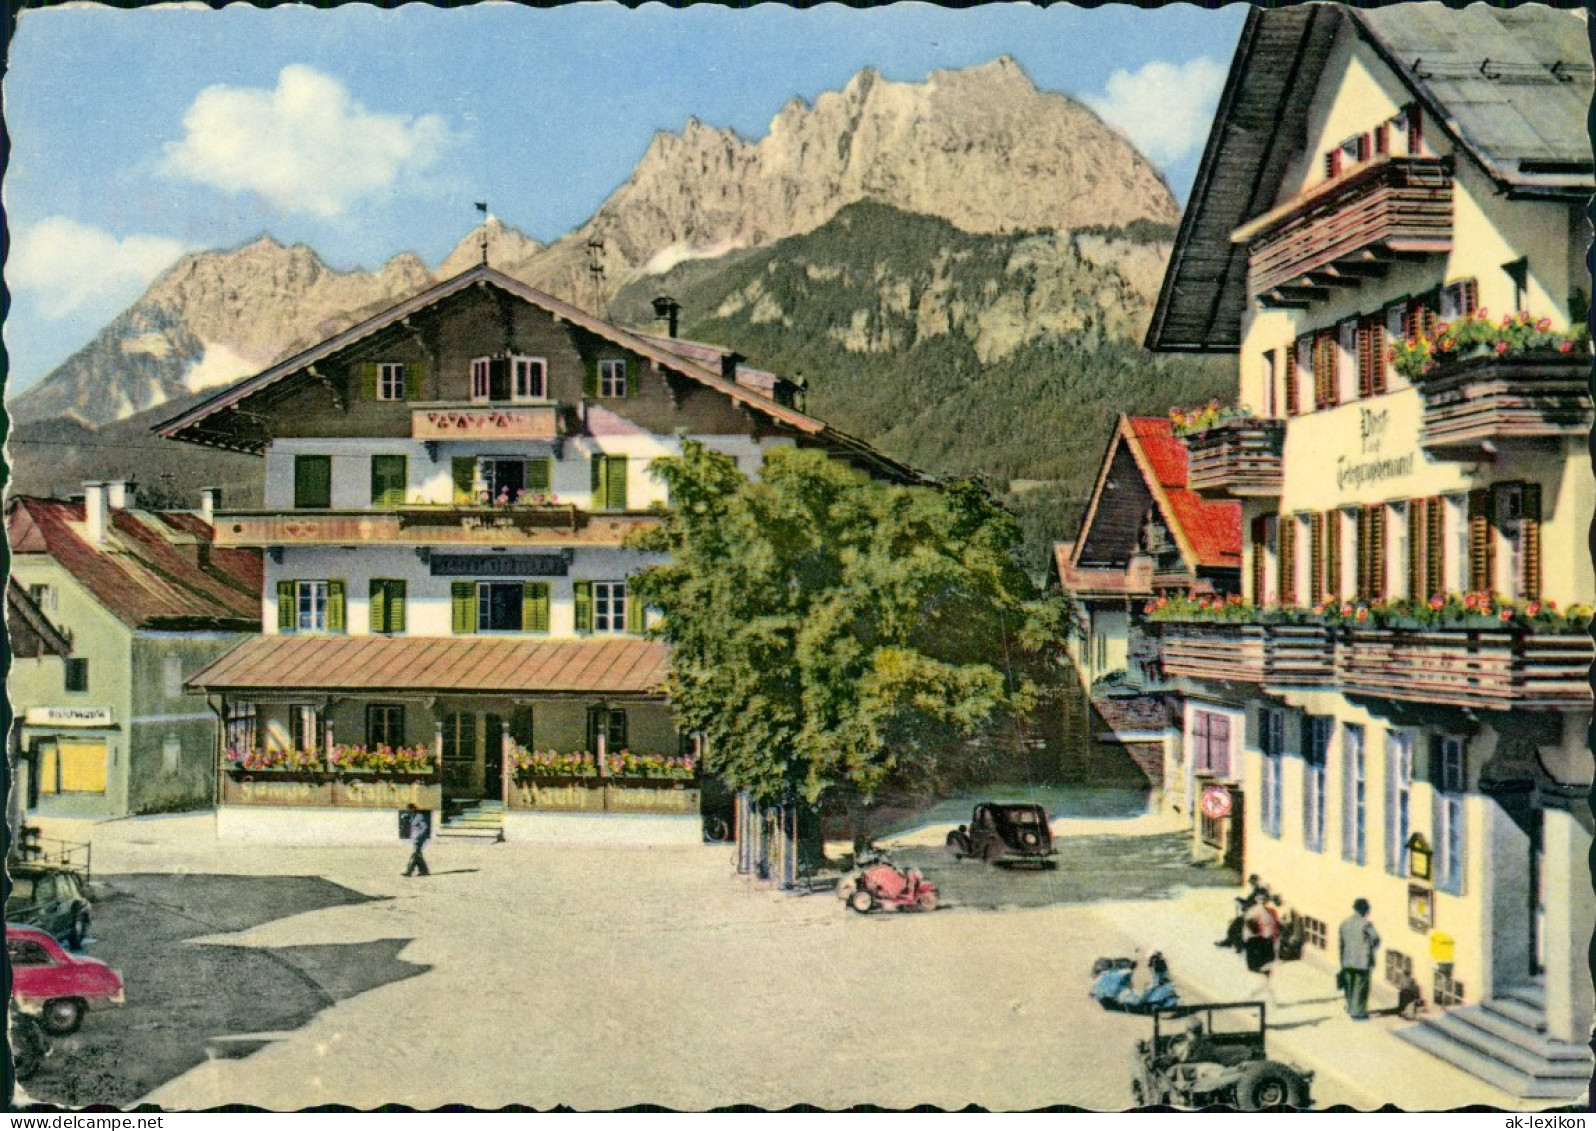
{"points": [[94, 512], [121, 494], [668, 309], [209, 498]]}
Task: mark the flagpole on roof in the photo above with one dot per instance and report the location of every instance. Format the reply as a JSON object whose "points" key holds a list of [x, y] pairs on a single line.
{"points": [[482, 207]]}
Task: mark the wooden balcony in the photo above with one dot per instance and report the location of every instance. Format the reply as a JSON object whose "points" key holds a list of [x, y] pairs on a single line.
{"points": [[437, 525], [1237, 458], [1474, 405], [1485, 669], [471, 420], [1214, 651], [1344, 231], [1299, 655]]}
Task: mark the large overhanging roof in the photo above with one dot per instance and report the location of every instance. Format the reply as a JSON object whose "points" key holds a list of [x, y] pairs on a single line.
{"points": [[191, 425], [1509, 86]]}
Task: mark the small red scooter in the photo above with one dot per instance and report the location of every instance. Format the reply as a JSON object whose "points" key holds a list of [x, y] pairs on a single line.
{"points": [[883, 884]]}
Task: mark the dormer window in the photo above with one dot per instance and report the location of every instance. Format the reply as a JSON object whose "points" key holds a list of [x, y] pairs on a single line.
{"points": [[612, 377], [1347, 156], [509, 379], [390, 381]]}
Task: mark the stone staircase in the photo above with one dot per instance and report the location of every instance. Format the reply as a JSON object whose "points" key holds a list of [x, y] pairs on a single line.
{"points": [[483, 821], [1503, 1041]]}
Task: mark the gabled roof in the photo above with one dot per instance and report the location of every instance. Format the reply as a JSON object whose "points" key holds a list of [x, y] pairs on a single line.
{"points": [[157, 570], [1509, 86], [696, 369], [1207, 532], [398, 664], [30, 630]]}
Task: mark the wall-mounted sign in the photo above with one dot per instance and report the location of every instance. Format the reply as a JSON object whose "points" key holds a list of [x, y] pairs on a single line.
{"points": [[524, 422], [1421, 907], [1216, 802], [1420, 857], [67, 716], [498, 565]]}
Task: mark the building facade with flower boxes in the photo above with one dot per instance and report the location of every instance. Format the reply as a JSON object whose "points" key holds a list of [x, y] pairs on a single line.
{"points": [[446, 618], [1388, 230]]}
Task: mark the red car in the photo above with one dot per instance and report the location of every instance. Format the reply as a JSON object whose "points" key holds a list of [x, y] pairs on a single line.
{"points": [[55, 985]]}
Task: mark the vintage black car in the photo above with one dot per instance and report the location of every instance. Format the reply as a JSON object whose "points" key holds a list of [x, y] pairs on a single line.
{"points": [[49, 897], [1004, 832], [1214, 1054]]}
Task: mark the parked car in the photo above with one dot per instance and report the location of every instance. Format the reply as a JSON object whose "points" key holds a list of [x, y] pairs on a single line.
{"points": [[1004, 831], [51, 898], [1219, 1058], [56, 986]]}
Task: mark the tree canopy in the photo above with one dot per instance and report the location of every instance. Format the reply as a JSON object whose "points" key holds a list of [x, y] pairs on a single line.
{"points": [[831, 633]]}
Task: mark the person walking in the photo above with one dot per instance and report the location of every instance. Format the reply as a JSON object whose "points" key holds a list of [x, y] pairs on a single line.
{"points": [[420, 833], [1261, 947], [1359, 944]]}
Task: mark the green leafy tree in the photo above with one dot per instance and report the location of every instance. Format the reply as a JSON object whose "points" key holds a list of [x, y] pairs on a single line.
{"points": [[833, 636]]}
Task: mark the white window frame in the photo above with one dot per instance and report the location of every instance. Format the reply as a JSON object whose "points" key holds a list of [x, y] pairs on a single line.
{"points": [[523, 370], [1510, 537], [1271, 377], [310, 606], [1318, 731], [390, 381], [481, 379], [43, 596], [1349, 553], [1398, 800], [1271, 570], [1396, 562], [1456, 536], [1354, 794], [612, 377], [485, 606], [609, 606], [1272, 746], [1346, 361], [1451, 840]]}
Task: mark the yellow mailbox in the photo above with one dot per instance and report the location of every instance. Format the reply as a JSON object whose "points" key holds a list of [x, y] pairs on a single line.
{"points": [[1441, 947]]}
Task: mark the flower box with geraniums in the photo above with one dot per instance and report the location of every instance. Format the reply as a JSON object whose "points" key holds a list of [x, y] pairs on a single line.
{"points": [[1229, 451], [1486, 382], [283, 765], [408, 762]]}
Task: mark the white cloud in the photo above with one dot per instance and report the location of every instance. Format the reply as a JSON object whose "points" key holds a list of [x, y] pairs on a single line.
{"points": [[1164, 108], [68, 266], [306, 146]]}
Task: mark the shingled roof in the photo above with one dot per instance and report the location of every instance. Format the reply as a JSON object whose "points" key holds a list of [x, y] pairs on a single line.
{"points": [[156, 570], [30, 631], [1509, 85]]}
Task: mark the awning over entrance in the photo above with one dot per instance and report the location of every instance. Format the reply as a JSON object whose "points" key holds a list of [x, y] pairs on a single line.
{"points": [[438, 664]]}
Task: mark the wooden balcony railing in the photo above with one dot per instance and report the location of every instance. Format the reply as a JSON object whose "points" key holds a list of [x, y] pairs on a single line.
{"points": [[471, 420], [429, 525], [1473, 405], [1479, 668], [1239, 457], [1343, 231], [1279, 655]]}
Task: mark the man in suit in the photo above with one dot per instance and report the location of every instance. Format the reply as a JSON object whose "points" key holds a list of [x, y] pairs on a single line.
{"points": [[420, 833], [1359, 944]]}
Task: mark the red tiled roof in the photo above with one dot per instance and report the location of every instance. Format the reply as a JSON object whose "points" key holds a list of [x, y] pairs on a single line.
{"points": [[439, 664], [1211, 528], [157, 570]]}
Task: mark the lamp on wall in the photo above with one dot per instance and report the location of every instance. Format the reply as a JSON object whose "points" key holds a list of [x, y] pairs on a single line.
{"points": [[1420, 857]]}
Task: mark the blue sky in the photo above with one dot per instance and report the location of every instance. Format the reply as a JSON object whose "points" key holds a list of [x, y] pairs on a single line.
{"points": [[363, 132]]}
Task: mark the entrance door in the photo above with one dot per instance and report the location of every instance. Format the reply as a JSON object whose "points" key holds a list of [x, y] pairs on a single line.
{"points": [[492, 757], [1537, 892], [460, 755]]}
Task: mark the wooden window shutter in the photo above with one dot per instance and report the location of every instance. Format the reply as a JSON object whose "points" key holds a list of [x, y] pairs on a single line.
{"points": [[1287, 543], [1530, 532], [464, 469], [1382, 139], [1292, 404], [582, 605], [590, 377], [463, 607], [1365, 366], [1332, 554], [312, 482], [379, 605], [396, 606], [1332, 163], [1469, 295], [615, 488], [1260, 543], [1376, 588], [1326, 354], [336, 619], [415, 380], [1316, 560], [1371, 357], [1364, 554], [1482, 548], [388, 481], [368, 379], [601, 479], [1418, 511], [1363, 147], [539, 475], [1415, 118], [635, 621], [1435, 546], [535, 606], [287, 608]]}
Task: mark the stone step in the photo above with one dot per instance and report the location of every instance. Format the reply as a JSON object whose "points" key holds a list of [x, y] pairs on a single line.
{"points": [[1530, 993], [479, 832], [1526, 1037], [1458, 1026], [1516, 1011], [1514, 1081]]}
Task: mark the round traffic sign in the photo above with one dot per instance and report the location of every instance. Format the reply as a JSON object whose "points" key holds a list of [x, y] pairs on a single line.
{"points": [[1216, 802]]}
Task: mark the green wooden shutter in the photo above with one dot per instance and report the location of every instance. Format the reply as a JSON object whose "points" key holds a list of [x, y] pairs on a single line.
{"points": [[615, 483], [396, 606], [582, 600], [312, 482], [465, 479], [388, 476], [539, 476], [463, 599], [368, 379], [590, 378], [286, 609], [336, 621], [634, 611], [415, 375], [379, 605], [600, 476], [535, 606]]}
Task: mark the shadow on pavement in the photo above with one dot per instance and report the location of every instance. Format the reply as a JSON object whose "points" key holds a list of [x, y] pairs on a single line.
{"points": [[185, 1000]]}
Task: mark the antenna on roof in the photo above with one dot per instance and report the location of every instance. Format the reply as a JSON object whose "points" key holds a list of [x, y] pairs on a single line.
{"points": [[482, 207]]}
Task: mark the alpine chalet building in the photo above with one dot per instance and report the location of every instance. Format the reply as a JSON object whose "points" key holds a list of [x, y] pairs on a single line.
{"points": [[1388, 230], [446, 614]]}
